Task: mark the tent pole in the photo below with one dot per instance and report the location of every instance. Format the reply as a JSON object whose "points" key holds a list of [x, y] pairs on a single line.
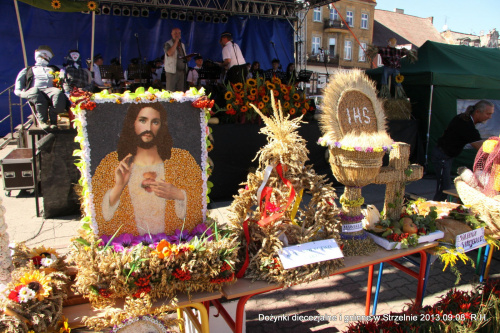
{"points": [[429, 127], [92, 44], [21, 34]]}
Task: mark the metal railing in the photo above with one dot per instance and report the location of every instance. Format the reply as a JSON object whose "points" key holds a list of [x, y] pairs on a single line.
{"points": [[20, 137]]}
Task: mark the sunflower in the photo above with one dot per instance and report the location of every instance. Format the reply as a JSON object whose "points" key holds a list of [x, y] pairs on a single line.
{"points": [[238, 86], [56, 4], [38, 282], [296, 96], [92, 5], [244, 108], [238, 102], [228, 95], [253, 91], [270, 86], [284, 90], [265, 99], [399, 78], [276, 80], [286, 105], [229, 106], [43, 252], [292, 111], [297, 104], [252, 82], [163, 249]]}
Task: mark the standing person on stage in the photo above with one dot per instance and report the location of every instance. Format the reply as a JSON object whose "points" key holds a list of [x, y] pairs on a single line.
{"points": [[175, 62], [36, 84], [233, 60], [193, 75], [275, 71], [460, 131]]}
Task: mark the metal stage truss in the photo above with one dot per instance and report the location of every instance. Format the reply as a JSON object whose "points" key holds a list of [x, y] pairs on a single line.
{"points": [[265, 8]]}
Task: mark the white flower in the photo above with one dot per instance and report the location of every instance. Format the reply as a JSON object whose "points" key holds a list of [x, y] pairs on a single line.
{"points": [[47, 262], [26, 294]]}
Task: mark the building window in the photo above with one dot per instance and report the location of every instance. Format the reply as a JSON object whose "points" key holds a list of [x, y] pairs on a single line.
{"points": [[347, 50], [364, 21], [361, 55], [334, 15], [317, 14], [316, 44], [350, 18], [331, 47]]}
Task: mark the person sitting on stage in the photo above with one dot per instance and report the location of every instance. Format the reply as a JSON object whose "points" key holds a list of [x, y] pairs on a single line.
{"points": [[233, 60], [255, 70], [36, 84], [275, 71], [291, 74], [193, 75], [156, 70], [74, 75]]}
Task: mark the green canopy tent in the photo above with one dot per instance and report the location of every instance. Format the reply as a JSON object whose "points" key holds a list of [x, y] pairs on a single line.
{"points": [[443, 75]]}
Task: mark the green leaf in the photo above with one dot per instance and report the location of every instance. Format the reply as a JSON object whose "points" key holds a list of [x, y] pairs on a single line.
{"points": [[140, 91], [82, 241]]}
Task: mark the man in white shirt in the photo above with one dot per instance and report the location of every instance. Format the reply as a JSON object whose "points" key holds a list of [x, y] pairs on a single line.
{"points": [[98, 61], [193, 74], [233, 60]]}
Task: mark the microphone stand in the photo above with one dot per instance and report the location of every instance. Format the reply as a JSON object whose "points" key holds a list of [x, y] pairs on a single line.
{"points": [[140, 59], [276, 53]]}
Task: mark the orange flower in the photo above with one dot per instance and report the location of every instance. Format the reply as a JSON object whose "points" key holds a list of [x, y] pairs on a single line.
{"points": [[296, 104], [238, 101], [270, 86], [276, 93], [253, 91], [286, 105], [228, 95], [292, 111], [252, 82], [296, 96], [284, 90], [244, 108], [306, 105], [238, 95], [163, 249], [56, 4], [304, 110], [92, 5], [229, 107], [265, 99], [260, 106], [251, 97], [276, 80], [238, 86], [286, 97]]}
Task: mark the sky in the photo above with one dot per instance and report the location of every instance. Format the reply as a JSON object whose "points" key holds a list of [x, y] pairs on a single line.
{"points": [[459, 15]]}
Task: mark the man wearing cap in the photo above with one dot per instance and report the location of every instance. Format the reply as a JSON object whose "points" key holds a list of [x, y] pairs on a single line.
{"points": [[233, 60], [36, 84], [275, 71], [74, 75], [175, 62], [193, 75]]}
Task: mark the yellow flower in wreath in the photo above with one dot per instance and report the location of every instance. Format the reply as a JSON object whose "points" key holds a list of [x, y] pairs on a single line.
{"points": [[39, 283], [228, 95], [252, 82], [292, 111], [399, 78], [56, 4], [296, 96], [265, 99], [92, 5], [163, 249]]}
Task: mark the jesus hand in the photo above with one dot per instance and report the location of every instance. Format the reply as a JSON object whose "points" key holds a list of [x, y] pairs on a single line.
{"points": [[167, 191]]}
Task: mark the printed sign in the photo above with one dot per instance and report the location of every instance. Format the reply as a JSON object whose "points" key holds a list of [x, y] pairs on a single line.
{"points": [[470, 240], [352, 227], [309, 253]]}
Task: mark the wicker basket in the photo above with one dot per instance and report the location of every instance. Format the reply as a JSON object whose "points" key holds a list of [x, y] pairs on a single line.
{"points": [[355, 168], [488, 208]]}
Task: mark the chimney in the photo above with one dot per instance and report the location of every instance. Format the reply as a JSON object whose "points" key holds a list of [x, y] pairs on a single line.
{"points": [[399, 10], [431, 18]]}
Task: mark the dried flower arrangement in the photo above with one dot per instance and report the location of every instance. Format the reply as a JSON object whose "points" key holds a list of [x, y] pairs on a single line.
{"points": [[34, 298], [282, 177]]}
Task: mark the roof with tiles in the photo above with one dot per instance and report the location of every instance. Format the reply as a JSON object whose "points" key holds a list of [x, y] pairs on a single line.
{"points": [[407, 29]]}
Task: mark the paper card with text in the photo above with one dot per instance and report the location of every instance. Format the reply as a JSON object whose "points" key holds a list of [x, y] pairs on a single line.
{"points": [[309, 253], [470, 240]]}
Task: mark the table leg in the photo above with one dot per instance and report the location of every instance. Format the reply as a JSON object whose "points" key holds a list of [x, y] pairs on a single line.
{"points": [[369, 290], [427, 273], [35, 176], [224, 314], [377, 289], [484, 262], [421, 278], [240, 311], [479, 261], [204, 327]]}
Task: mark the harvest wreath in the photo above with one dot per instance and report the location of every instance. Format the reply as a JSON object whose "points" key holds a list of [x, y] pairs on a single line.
{"points": [[196, 256]]}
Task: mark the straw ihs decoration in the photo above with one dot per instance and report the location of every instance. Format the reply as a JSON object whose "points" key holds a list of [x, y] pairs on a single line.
{"points": [[267, 214], [353, 124]]}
